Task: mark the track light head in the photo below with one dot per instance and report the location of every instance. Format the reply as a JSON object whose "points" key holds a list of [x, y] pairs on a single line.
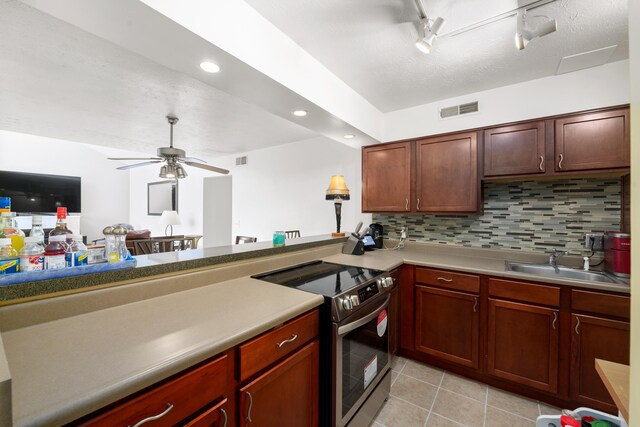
{"points": [[427, 31]]}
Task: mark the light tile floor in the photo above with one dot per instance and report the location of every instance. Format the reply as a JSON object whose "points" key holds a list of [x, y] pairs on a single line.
{"points": [[424, 396]]}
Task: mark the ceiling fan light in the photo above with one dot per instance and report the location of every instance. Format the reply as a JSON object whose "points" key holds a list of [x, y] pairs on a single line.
{"points": [[181, 173], [171, 171], [163, 172]]}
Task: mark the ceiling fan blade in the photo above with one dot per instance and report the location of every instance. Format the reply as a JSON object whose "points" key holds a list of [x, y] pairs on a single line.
{"points": [[207, 167], [137, 165], [192, 159], [134, 158]]}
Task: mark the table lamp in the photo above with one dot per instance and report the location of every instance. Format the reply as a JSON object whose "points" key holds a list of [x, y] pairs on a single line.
{"points": [[169, 218], [337, 192]]}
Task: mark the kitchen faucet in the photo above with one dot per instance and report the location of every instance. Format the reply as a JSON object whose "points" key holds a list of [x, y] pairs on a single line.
{"points": [[553, 257]]}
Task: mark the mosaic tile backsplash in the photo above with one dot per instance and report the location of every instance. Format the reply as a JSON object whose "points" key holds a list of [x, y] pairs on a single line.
{"points": [[527, 215]]}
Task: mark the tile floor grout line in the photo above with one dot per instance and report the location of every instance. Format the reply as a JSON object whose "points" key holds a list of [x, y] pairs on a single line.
{"points": [[455, 392], [423, 381], [410, 403], [434, 400], [512, 413], [449, 419]]}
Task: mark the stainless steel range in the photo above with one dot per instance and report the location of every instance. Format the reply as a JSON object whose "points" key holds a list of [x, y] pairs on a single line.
{"points": [[354, 337]]}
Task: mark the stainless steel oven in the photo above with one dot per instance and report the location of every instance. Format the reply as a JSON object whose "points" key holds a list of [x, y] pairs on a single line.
{"points": [[361, 359], [354, 337]]}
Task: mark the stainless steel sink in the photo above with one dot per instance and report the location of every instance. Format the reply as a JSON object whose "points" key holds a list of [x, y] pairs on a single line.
{"points": [[546, 270]]}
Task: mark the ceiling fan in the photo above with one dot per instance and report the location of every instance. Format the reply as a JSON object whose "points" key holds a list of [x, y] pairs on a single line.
{"points": [[173, 157]]}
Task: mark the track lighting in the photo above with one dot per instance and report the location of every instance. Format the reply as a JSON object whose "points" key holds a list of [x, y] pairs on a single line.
{"points": [[428, 29], [524, 33]]}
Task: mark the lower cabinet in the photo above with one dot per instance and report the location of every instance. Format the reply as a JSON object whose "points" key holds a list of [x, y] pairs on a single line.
{"points": [[285, 395], [595, 338], [523, 344], [447, 325]]}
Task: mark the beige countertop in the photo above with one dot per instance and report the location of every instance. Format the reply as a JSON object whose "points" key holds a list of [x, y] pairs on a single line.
{"points": [[66, 368], [63, 368]]}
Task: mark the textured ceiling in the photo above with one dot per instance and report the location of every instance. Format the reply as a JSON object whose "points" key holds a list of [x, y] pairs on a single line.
{"points": [[369, 44], [62, 82]]}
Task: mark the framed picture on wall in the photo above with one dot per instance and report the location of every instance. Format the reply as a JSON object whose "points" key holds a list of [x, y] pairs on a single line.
{"points": [[162, 196]]}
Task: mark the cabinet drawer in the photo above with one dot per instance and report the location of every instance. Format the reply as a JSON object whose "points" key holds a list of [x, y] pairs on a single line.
{"points": [[525, 292], [216, 416], [448, 280], [177, 399], [595, 302], [261, 352]]}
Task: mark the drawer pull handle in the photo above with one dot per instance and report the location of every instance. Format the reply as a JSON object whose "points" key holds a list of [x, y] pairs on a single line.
{"points": [[555, 320], [475, 305], [406, 204], [155, 417], [445, 279], [541, 164], [560, 162], [224, 416], [578, 325], [250, 405], [418, 205], [292, 339]]}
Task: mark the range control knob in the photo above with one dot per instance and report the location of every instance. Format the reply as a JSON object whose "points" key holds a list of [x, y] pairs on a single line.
{"points": [[354, 300], [380, 282], [385, 282], [389, 281], [347, 304]]}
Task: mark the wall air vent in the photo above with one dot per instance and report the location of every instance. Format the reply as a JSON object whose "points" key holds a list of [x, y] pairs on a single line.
{"points": [[457, 110], [241, 160]]}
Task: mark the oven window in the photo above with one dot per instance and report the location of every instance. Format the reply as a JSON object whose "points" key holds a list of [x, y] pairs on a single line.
{"points": [[365, 353]]}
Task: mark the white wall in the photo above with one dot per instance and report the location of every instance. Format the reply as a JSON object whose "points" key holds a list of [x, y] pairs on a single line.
{"points": [[105, 190], [596, 87], [217, 211]]}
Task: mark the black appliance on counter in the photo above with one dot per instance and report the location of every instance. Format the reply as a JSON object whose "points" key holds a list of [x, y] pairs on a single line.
{"points": [[355, 360], [376, 231]]}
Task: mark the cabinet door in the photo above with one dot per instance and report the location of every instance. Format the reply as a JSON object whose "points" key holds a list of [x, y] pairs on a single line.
{"points": [[394, 304], [216, 416], [284, 396], [386, 178], [592, 141], [514, 150], [523, 344], [447, 325], [595, 338], [447, 174]]}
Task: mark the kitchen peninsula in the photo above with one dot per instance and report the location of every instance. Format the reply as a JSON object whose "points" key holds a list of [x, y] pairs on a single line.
{"points": [[71, 355]]}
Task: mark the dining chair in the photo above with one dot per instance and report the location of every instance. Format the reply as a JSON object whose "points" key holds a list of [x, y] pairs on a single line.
{"points": [[245, 239], [291, 234]]}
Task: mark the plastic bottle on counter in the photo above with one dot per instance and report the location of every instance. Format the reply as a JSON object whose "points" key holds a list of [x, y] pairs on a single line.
{"points": [[61, 224], [9, 228], [55, 253], [78, 253], [36, 229], [110, 245], [9, 261], [31, 255]]}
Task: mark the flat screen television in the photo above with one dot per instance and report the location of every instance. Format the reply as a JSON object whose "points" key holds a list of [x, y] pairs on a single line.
{"points": [[39, 193]]}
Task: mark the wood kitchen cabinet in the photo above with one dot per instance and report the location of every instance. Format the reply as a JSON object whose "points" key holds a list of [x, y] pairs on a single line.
{"points": [[386, 177], [603, 332], [216, 416], [515, 150], [284, 396], [447, 174], [447, 315], [592, 141]]}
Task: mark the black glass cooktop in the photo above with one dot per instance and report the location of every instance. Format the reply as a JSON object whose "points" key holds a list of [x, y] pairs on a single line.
{"points": [[320, 277]]}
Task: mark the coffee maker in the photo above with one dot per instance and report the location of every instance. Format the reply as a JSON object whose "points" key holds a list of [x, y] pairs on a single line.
{"points": [[376, 231], [617, 253]]}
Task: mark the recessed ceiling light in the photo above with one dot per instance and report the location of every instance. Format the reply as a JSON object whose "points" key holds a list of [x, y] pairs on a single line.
{"points": [[349, 136], [209, 67], [300, 113]]}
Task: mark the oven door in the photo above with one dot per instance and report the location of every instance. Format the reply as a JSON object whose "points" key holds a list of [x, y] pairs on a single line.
{"points": [[361, 344]]}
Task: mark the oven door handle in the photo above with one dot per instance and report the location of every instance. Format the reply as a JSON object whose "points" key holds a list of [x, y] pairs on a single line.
{"points": [[345, 329]]}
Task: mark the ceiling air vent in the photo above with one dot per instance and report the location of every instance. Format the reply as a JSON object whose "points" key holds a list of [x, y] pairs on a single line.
{"points": [[457, 110]]}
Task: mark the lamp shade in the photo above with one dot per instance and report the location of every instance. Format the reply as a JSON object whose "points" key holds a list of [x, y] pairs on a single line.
{"points": [[170, 218], [337, 189]]}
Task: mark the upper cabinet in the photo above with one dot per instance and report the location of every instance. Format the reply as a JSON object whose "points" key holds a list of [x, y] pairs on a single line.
{"points": [[447, 174], [515, 150], [592, 141], [386, 178]]}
